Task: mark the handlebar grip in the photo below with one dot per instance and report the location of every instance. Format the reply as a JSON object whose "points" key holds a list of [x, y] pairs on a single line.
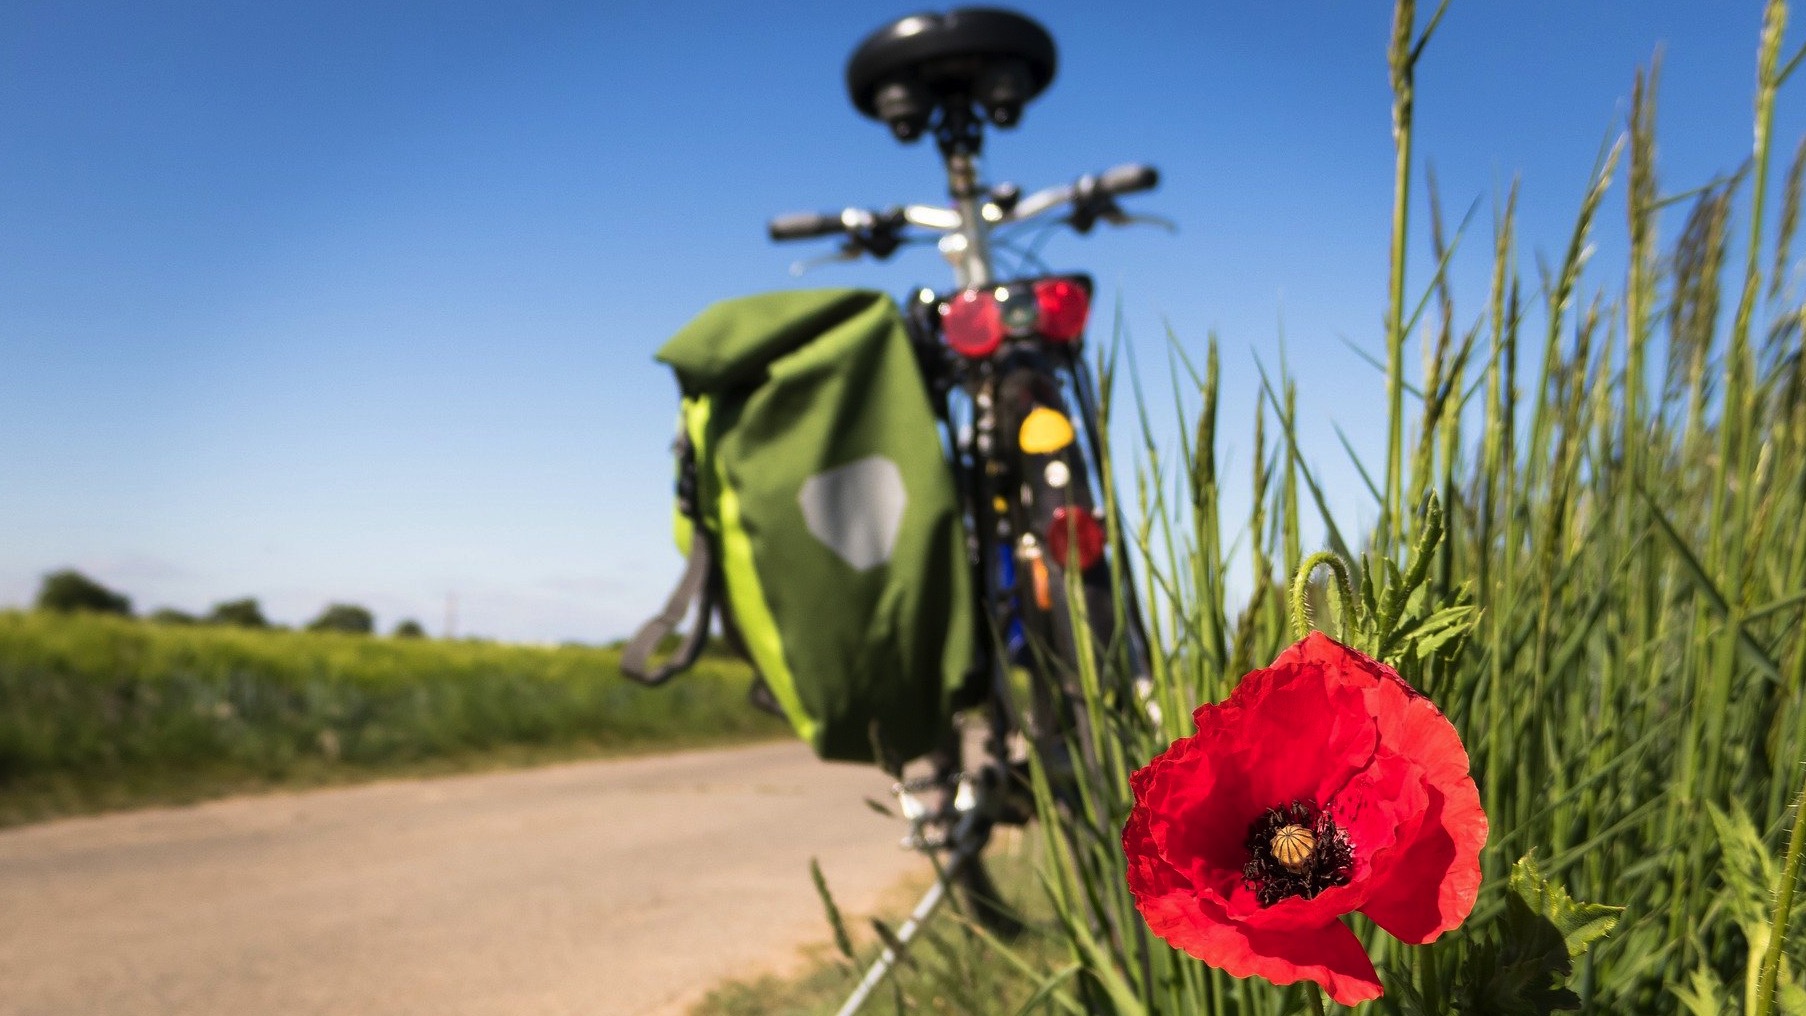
{"points": [[1128, 178], [804, 225]]}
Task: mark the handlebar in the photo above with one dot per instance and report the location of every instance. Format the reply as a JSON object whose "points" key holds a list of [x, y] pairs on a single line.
{"points": [[1128, 178], [804, 226], [1090, 197]]}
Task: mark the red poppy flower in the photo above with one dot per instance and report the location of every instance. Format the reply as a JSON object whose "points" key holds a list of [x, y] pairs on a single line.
{"points": [[1324, 785]]}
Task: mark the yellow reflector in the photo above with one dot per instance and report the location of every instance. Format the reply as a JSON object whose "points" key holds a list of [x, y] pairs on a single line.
{"points": [[1043, 595], [1044, 432]]}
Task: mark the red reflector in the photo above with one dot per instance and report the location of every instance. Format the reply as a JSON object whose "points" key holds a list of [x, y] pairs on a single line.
{"points": [[972, 323], [1064, 307], [1074, 524]]}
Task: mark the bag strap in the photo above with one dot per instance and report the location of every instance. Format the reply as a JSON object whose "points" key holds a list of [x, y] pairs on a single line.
{"points": [[695, 585]]}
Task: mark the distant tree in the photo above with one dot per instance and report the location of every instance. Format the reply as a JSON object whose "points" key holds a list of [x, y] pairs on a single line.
{"points": [[344, 617], [170, 615], [410, 629], [69, 591], [243, 613]]}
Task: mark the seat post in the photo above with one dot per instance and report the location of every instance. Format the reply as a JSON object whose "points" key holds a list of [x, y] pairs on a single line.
{"points": [[960, 135]]}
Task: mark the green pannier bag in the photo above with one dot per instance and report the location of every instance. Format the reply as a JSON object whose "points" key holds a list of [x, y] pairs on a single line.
{"points": [[821, 520]]}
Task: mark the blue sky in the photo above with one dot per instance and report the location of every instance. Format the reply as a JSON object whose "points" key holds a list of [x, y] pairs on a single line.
{"points": [[356, 300]]}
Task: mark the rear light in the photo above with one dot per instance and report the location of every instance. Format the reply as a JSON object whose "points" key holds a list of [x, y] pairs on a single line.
{"points": [[972, 323], [1064, 307], [976, 321], [1074, 529]]}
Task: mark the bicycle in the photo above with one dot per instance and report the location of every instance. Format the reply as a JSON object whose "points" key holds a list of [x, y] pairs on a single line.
{"points": [[1003, 361]]}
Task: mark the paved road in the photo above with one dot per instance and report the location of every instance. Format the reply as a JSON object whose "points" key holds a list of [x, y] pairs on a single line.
{"points": [[614, 887]]}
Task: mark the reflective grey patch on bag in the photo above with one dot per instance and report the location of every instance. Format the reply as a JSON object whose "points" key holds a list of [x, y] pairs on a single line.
{"points": [[856, 509]]}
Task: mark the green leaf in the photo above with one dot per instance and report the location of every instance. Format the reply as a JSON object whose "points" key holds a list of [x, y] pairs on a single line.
{"points": [[1502, 980], [1748, 870], [1441, 628], [1402, 997], [1122, 995], [1580, 924], [1704, 995], [1524, 966], [1369, 602], [1746, 643], [1046, 989], [1751, 881], [1792, 997], [841, 939]]}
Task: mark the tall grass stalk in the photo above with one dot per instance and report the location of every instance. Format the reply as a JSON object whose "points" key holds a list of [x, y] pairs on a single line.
{"points": [[1627, 529]]}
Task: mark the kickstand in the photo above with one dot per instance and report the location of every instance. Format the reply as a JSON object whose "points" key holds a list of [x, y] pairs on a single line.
{"points": [[931, 901]]}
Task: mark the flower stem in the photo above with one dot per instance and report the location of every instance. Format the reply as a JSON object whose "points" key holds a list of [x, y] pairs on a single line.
{"points": [[1315, 994], [1301, 607], [1790, 876]]}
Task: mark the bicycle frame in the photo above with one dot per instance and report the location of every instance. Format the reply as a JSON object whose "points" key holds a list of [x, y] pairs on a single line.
{"points": [[948, 75]]}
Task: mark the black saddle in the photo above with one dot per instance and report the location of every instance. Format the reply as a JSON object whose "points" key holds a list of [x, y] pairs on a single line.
{"points": [[995, 60]]}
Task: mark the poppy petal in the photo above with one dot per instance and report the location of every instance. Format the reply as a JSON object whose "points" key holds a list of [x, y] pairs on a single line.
{"points": [[1305, 733], [1445, 850], [1330, 954], [1380, 810], [1180, 791], [1412, 726], [1150, 876], [1431, 886]]}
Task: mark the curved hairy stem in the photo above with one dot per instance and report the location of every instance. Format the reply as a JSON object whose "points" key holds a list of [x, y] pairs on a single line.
{"points": [[1301, 608]]}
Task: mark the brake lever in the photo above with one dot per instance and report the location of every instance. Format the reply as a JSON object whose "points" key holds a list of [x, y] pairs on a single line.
{"points": [[1088, 206], [849, 251], [1121, 218]]}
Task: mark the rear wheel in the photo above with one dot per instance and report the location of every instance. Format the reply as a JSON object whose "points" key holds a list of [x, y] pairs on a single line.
{"points": [[1059, 549], [1085, 646]]}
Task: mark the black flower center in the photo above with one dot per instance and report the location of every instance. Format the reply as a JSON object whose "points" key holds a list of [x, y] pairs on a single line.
{"points": [[1296, 850]]}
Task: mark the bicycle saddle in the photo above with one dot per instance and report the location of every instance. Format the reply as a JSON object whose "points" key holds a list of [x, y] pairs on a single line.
{"points": [[995, 58]]}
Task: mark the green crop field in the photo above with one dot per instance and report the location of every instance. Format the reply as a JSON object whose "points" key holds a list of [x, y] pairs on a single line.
{"points": [[100, 712]]}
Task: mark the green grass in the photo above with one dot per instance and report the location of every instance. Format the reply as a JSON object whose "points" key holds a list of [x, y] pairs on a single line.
{"points": [[1621, 465], [1629, 531], [952, 967], [102, 712]]}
